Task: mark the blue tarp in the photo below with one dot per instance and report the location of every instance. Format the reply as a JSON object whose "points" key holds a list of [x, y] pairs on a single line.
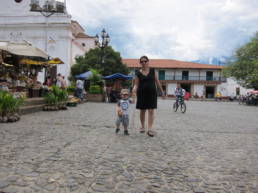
{"points": [[118, 76], [84, 75]]}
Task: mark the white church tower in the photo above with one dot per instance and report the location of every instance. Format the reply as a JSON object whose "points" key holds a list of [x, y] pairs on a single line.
{"points": [[43, 23]]}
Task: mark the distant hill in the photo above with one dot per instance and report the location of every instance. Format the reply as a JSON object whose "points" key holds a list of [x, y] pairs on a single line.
{"points": [[221, 61]]}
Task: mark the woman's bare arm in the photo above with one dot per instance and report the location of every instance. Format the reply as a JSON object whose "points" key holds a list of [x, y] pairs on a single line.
{"points": [[136, 84], [158, 84]]}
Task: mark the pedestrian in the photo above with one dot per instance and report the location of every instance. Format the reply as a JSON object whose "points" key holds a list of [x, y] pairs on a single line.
{"points": [[63, 83], [79, 89], [59, 80], [218, 96], [145, 85], [46, 85], [122, 110], [48, 82]]}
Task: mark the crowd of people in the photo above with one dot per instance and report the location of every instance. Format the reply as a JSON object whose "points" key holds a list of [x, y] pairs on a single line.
{"points": [[59, 81]]}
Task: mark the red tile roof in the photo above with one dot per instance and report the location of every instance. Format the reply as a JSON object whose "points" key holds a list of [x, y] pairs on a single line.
{"points": [[77, 23], [165, 63]]}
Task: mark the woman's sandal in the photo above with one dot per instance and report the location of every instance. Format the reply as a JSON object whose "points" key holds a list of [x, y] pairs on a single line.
{"points": [[150, 133], [142, 130]]}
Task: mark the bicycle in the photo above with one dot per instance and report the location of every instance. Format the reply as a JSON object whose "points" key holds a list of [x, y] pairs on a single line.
{"points": [[179, 103]]}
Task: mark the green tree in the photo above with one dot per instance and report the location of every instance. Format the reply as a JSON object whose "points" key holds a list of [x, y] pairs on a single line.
{"points": [[92, 60], [95, 78], [244, 66]]}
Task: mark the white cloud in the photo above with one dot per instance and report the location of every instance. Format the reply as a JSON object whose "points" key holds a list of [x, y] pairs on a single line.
{"points": [[186, 29]]}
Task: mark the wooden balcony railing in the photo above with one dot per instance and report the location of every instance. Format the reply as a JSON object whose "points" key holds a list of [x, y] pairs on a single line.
{"points": [[193, 78]]}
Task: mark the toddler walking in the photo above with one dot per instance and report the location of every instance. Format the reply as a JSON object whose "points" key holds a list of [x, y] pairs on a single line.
{"points": [[122, 110]]}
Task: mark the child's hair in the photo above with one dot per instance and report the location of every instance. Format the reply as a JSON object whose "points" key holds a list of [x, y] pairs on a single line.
{"points": [[124, 91]]}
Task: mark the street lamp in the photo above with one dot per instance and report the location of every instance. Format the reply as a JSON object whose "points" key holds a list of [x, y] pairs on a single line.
{"points": [[105, 39]]}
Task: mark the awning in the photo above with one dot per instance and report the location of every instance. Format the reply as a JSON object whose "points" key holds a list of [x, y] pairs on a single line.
{"points": [[55, 61], [7, 65], [52, 62], [118, 76], [22, 49], [32, 62]]}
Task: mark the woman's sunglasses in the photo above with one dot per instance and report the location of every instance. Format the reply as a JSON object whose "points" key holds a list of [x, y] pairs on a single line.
{"points": [[143, 61]]}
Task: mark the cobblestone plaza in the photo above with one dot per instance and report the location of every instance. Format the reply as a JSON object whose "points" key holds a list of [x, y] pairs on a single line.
{"points": [[212, 148]]}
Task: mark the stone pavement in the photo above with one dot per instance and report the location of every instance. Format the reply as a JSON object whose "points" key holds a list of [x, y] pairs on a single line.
{"points": [[213, 148]]}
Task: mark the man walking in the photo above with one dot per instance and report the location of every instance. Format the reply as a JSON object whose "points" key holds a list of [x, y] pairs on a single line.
{"points": [[79, 89]]}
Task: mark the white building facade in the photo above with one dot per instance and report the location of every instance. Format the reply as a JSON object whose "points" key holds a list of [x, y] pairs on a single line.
{"points": [[232, 88], [81, 42], [200, 80], [56, 34]]}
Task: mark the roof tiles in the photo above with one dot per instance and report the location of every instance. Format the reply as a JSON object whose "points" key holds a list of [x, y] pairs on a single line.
{"points": [[165, 63]]}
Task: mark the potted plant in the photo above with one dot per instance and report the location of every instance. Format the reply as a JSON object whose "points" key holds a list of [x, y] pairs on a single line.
{"points": [[95, 92], [9, 106], [71, 90], [62, 99], [55, 99], [51, 102]]}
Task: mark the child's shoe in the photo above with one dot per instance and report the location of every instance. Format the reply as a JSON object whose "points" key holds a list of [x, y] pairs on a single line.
{"points": [[126, 132], [117, 130]]}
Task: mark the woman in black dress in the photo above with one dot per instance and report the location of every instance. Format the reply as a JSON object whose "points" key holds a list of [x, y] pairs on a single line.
{"points": [[146, 83]]}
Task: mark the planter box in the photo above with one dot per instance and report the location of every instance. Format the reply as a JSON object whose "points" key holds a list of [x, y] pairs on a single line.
{"points": [[34, 93], [70, 104], [95, 97]]}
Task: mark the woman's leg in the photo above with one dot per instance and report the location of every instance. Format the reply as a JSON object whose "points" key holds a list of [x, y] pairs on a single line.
{"points": [[150, 118], [142, 118]]}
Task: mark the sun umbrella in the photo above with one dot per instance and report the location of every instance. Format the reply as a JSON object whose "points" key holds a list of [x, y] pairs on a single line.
{"points": [[84, 75], [118, 76]]}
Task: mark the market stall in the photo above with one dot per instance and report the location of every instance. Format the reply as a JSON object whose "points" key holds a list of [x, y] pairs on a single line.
{"points": [[20, 64], [115, 84]]}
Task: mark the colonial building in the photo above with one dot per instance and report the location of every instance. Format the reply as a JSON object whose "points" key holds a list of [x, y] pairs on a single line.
{"points": [[46, 25], [200, 80], [81, 42]]}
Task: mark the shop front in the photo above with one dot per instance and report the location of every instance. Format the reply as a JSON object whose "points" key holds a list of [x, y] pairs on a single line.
{"points": [[19, 68]]}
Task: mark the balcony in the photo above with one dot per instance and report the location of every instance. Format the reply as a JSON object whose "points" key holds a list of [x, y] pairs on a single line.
{"points": [[194, 78]]}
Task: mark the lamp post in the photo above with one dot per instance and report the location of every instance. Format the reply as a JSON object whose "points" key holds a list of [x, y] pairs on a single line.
{"points": [[102, 43]]}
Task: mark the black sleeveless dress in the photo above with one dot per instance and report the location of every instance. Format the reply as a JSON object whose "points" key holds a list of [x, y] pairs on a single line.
{"points": [[147, 91]]}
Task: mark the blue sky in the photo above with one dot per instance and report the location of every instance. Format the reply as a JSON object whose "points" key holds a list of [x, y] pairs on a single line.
{"points": [[170, 29]]}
